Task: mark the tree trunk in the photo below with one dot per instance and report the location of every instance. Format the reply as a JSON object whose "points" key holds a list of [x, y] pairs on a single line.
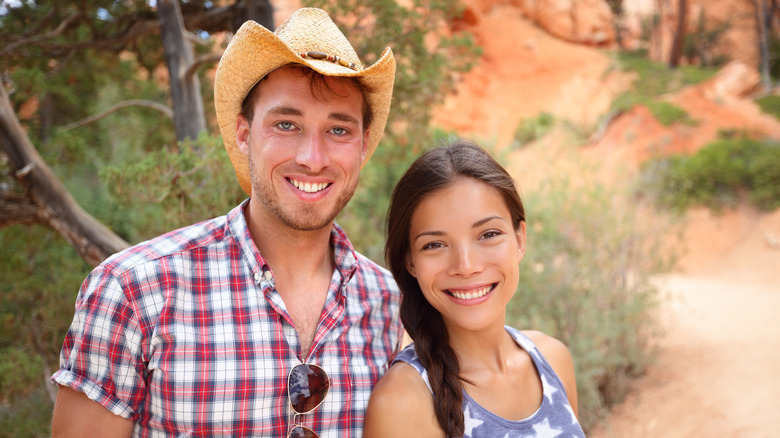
{"points": [[47, 201], [257, 10], [189, 117], [679, 36], [764, 27]]}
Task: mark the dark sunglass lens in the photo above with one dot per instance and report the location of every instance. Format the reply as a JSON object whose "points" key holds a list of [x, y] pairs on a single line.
{"points": [[308, 386], [302, 432]]}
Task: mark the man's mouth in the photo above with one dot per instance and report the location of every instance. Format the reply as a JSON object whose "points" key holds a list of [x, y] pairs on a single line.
{"points": [[471, 294], [307, 186]]}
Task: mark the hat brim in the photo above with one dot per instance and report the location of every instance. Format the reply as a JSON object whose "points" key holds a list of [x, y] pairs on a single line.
{"points": [[253, 53]]}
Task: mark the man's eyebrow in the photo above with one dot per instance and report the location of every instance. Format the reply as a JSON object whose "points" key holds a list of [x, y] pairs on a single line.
{"points": [[343, 117], [284, 111]]}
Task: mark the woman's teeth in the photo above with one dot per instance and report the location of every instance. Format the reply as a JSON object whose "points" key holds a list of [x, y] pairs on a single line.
{"points": [[476, 293]]}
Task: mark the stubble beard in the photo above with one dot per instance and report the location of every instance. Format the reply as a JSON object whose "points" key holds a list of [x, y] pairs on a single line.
{"points": [[308, 217]]}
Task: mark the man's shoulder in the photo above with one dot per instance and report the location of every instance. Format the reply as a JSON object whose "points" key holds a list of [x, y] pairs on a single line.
{"points": [[374, 276], [188, 239]]}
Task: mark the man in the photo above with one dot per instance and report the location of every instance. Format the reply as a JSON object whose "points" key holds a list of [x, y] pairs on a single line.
{"points": [[202, 331]]}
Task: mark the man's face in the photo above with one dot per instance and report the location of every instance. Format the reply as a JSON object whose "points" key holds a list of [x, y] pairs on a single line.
{"points": [[305, 146]]}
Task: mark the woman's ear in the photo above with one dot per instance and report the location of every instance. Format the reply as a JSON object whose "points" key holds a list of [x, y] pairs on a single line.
{"points": [[520, 234], [410, 265]]}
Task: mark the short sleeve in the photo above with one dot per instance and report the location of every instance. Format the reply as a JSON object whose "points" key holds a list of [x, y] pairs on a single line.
{"points": [[102, 355]]}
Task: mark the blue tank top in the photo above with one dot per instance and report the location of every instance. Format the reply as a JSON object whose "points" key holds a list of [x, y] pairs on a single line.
{"points": [[554, 418]]}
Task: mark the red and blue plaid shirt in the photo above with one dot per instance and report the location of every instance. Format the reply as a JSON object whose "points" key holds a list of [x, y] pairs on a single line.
{"points": [[186, 336]]}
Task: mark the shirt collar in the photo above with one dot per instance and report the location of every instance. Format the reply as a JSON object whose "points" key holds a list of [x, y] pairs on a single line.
{"points": [[343, 253]]}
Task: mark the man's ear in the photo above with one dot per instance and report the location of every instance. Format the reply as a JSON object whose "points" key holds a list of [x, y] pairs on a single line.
{"points": [[242, 134], [410, 265]]}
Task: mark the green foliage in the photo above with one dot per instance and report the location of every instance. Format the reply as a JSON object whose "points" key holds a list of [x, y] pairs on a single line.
{"points": [[534, 128], [175, 187], [668, 113], [770, 104], [717, 176], [586, 279], [702, 41], [653, 81], [41, 276]]}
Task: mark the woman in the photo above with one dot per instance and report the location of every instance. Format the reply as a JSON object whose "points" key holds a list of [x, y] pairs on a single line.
{"points": [[456, 233]]}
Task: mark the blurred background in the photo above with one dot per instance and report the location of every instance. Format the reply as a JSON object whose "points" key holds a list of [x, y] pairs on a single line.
{"points": [[643, 134]]}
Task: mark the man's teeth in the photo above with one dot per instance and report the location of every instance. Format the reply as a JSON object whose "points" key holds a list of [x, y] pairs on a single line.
{"points": [[481, 292], [308, 187]]}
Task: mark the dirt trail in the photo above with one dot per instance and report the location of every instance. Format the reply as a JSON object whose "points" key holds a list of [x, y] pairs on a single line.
{"points": [[716, 373]]}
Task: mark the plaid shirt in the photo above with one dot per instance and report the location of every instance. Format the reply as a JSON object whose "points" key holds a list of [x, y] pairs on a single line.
{"points": [[186, 336]]}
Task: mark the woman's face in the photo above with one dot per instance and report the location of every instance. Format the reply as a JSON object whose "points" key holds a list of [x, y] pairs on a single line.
{"points": [[464, 253]]}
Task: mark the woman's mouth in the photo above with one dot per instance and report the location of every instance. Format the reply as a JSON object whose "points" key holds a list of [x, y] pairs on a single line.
{"points": [[471, 294]]}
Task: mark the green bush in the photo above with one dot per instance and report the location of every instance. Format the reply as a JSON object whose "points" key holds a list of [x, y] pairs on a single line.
{"points": [[41, 277], [668, 113], [534, 128], [586, 279], [770, 105], [654, 80], [719, 175]]}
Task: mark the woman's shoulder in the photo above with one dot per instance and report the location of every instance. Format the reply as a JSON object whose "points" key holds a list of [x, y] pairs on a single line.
{"points": [[400, 393], [557, 354], [400, 380], [551, 348]]}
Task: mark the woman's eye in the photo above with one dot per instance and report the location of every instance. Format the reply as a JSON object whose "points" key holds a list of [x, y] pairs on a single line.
{"points": [[490, 234], [432, 245]]}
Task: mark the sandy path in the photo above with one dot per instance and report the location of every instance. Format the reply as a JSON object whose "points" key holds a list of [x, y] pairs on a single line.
{"points": [[716, 374]]}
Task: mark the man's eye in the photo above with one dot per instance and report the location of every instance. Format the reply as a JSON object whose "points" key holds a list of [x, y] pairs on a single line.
{"points": [[339, 131], [286, 125]]}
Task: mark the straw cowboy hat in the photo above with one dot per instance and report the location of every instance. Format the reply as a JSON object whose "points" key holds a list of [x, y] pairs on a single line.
{"points": [[307, 37]]}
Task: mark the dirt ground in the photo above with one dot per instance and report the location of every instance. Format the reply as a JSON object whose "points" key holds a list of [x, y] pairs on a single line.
{"points": [[715, 374], [716, 370]]}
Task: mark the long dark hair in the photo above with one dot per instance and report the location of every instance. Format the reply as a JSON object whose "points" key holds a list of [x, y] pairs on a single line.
{"points": [[436, 169]]}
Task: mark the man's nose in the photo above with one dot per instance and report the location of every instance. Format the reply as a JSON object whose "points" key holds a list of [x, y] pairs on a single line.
{"points": [[312, 152]]}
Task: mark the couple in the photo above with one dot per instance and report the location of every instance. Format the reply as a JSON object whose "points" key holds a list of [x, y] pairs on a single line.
{"points": [[266, 322]]}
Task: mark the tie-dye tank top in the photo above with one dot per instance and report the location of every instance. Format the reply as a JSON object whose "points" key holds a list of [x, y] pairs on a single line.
{"points": [[554, 418]]}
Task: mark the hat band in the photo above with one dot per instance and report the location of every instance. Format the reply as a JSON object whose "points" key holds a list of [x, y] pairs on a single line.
{"points": [[332, 58]]}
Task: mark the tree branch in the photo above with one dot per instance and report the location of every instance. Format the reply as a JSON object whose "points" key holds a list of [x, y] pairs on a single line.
{"points": [[199, 61], [54, 206], [48, 35], [124, 104]]}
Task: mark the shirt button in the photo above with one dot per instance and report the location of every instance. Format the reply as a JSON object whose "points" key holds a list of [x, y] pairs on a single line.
{"points": [[268, 275], [258, 278]]}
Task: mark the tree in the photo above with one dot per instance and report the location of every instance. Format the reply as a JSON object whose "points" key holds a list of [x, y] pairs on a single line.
{"points": [[45, 199], [678, 43], [70, 31], [765, 12]]}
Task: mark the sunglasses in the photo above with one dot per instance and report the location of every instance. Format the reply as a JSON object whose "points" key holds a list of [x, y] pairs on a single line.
{"points": [[307, 386]]}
